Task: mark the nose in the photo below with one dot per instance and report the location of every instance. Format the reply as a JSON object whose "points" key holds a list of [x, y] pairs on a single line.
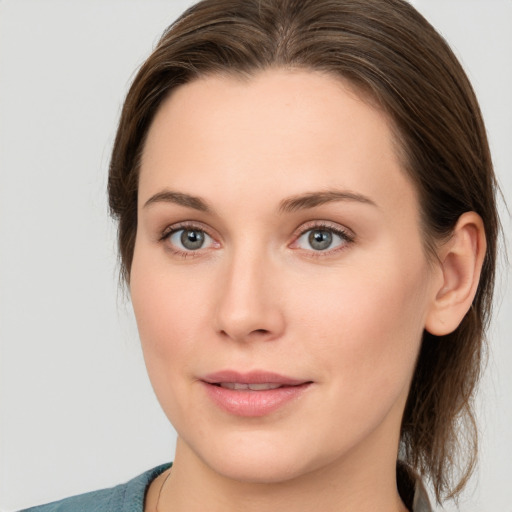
{"points": [[250, 303]]}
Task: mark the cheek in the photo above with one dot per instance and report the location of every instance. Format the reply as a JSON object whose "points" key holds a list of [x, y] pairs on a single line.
{"points": [[368, 325], [166, 306], [167, 312]]}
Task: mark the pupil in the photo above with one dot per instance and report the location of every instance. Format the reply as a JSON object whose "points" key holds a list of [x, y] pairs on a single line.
{"points": [[320, 240], [192, 239]]}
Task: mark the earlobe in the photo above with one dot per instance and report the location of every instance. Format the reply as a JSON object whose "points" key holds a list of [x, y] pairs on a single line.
{"points": [[461, 259]]}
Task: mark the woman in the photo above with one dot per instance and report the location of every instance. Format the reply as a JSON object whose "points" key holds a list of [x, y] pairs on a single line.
{"points": [[307, 227]]}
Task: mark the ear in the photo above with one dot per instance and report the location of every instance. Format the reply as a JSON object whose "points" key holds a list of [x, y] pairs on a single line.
{"points": [[461, 259]]}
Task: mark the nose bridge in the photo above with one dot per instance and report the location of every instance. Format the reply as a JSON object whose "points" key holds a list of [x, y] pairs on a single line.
{"points": [[248, 306]]}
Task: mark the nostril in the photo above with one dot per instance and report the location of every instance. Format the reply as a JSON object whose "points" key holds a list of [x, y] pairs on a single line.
{"points": [[245, 323], [261, 335]]}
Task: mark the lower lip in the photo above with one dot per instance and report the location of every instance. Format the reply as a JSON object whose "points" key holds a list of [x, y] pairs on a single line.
{"points": [[253, 403]]}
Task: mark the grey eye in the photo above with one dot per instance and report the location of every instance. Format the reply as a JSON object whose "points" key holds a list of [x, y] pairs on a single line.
{"points": [[320, 240], [189, 239]]}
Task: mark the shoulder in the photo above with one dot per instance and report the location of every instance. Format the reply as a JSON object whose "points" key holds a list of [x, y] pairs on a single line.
{"points": [[127, 497], [90, 502]]}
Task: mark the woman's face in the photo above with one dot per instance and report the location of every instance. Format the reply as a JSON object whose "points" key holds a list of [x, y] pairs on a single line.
{"points": [[279, 279]]}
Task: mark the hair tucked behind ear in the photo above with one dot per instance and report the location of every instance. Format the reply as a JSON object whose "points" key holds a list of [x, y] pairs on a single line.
{"points": [[389, 51]]}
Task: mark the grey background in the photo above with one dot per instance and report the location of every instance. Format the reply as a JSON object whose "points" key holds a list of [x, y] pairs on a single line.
{"points": [[76, 409]]}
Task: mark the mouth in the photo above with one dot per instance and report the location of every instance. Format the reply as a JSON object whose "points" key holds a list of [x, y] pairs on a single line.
{"points": [[239, 386], [256, 380], [252, 394]]}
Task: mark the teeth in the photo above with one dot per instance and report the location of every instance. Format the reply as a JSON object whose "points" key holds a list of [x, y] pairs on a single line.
{"points": [[260, 387], [253, 387], [233, 385]]}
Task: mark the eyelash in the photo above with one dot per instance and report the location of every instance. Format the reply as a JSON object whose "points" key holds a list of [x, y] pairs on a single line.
{"points": [[345, 235], [184, 226]]}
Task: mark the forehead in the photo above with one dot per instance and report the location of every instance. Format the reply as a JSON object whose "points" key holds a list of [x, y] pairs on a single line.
{"points": [[296, 128]]}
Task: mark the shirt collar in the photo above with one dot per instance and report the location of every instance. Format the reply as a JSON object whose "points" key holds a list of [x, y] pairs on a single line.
{"points": [[411, 489]]}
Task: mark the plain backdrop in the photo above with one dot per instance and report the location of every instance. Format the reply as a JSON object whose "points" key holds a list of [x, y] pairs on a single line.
{"points": [[77, 412]]}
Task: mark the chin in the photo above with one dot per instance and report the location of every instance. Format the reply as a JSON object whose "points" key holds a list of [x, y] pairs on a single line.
{"points": [[258, 460], [261, 470]]}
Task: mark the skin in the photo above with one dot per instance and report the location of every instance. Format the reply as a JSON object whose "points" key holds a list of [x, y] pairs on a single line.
{"points": [[257, 296]]}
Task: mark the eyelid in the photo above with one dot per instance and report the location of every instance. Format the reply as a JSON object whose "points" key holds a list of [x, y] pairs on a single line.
{"points": [[187, 225], [346, 234], [343, 232]]}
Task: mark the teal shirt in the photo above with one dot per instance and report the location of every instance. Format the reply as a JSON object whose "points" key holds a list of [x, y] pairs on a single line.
{"points": [[128, 497]]}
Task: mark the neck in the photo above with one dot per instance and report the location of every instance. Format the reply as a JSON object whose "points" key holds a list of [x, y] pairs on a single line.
{"points": [[362, 483]]}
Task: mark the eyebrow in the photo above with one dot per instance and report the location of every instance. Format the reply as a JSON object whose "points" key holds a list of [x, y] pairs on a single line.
{"points": [[291, 204], [167, 196], [312, 199]]}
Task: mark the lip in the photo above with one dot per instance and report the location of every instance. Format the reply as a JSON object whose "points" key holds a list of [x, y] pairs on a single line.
{"points": [[252, 377], [252, 403]]}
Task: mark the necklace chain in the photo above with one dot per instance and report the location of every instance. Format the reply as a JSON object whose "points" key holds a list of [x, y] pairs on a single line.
{"points": [[161, 489]]}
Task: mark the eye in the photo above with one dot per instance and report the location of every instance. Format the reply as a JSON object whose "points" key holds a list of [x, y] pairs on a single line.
{"points": [[189, 239], [323, 239]]}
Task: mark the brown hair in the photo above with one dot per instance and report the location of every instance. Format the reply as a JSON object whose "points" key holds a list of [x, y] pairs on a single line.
{"points": [[385, 48]]}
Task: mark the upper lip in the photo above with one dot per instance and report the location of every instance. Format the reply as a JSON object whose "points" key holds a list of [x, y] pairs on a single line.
{"points": [[252, 377]]}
